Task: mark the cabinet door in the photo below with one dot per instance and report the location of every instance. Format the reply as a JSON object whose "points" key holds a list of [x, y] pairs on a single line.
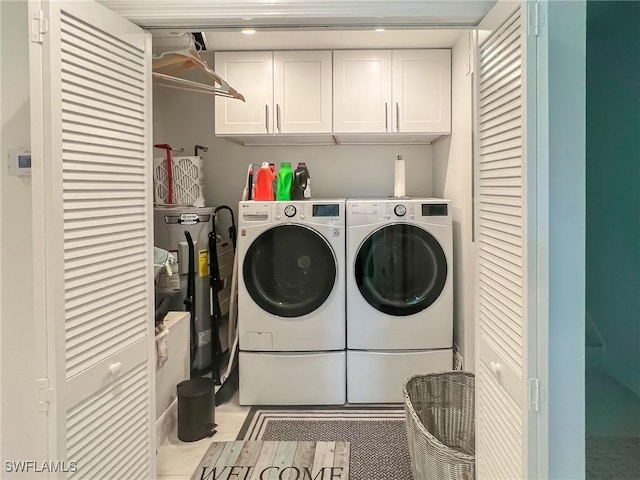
{"points": [[362, 91], [422, 91], [302, 91], [251, 73]]}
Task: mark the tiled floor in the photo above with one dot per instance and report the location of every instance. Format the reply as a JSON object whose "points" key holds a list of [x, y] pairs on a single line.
{"points": [[178, 460]]}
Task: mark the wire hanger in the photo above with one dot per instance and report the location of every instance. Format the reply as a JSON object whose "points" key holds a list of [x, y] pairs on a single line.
{"points": [[176, 61]]}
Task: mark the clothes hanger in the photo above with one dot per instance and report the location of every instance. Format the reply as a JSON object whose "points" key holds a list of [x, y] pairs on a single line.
{"points": [[187, 59], [191, 86]]}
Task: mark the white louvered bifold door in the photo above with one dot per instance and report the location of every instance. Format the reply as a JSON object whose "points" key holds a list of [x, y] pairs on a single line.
{"points": [[504, 348], [97, 228]]}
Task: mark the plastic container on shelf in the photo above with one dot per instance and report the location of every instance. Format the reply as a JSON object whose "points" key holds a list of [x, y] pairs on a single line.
{"points": [[285, 181], [301, 188], [264, 183]]}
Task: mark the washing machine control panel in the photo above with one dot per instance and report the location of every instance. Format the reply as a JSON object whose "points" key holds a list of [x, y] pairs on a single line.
{"points": [[320, 212]]}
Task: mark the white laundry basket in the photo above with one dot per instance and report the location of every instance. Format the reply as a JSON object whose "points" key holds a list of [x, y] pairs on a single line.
{"points": [[440, 419]]}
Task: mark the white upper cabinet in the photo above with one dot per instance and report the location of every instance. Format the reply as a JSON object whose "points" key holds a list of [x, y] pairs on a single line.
{"points": [[302, 92], [285, 92], [422, 91], [402, 91], [251, 73], [362, 91]]}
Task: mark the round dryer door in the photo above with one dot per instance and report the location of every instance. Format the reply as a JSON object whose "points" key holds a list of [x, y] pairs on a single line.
{"points": [[290, 270], [400, 269]]}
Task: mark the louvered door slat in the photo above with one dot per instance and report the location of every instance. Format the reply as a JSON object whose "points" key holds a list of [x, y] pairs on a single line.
{"points": [[506, 93], [82, 76], [81, 128], [100, 64], [506, 106], [115, 422], [80, 114], [130, 54], [499, 271], [507, 238], [97, 148], [89, 165], [499, 427], [502, 256], [75, 100]]}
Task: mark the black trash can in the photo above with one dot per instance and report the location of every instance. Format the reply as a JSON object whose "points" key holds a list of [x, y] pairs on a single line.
{"points": [[196, 409]]}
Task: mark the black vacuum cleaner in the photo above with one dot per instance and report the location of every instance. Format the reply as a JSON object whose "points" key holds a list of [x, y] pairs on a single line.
{"points": [[230, 385]]}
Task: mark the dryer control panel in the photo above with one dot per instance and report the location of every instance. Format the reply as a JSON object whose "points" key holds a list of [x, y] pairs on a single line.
{"points": [[399, 211], [412, 210]]}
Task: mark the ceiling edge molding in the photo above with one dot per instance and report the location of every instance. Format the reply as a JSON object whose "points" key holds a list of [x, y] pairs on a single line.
{"points": [[203, 14]]}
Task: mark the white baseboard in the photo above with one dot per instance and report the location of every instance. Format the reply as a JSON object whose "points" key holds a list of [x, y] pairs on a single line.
{"points": [[167, 421]]}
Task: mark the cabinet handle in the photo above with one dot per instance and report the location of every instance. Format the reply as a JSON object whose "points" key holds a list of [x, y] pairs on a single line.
{"points": [[278, 117], [386, 117], [266, 117], [397, 116]]}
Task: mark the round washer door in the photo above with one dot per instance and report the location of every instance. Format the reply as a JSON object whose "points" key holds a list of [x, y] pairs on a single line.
{"points": [[400, 269], [290, 270]]}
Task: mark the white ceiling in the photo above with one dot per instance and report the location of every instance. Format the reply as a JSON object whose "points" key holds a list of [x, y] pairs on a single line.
{"points": [[330, 40]]}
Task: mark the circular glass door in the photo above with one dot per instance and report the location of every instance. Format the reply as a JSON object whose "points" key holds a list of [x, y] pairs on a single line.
{"points": [[400, 269], [289, 270]]}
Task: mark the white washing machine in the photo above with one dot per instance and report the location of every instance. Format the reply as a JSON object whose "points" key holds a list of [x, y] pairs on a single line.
{"points": [[291, 302], [399, 294]]}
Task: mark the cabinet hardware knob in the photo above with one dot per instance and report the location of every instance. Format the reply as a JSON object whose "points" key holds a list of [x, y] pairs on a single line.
{"points": [[495, 368], [115, 368]]}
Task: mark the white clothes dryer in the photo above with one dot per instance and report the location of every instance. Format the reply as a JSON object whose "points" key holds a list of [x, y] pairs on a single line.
{"points": [[291, 302], [399, 294]]}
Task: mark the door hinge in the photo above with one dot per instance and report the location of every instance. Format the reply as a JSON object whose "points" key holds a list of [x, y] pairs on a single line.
{"points": [[45, 394], [39, 26], [534, 19], [534, 394]]}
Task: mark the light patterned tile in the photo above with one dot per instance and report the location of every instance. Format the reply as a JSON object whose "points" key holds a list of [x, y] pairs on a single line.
{"points": [[179, 459]]}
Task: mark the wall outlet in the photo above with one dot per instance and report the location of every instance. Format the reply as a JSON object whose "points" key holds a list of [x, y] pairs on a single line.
{"points": [[458, 361]]}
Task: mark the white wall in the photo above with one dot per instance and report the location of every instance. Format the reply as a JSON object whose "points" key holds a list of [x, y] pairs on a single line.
{"points": [[19, 393], [452, 178], [183, 119]]}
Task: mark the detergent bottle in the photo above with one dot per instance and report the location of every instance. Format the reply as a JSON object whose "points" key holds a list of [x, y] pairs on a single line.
{"points": [[301, 188], [264, 184], [285, 179]]}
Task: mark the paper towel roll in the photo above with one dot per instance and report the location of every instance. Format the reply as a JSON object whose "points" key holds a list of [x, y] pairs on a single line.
{"points": [[398, 177]]}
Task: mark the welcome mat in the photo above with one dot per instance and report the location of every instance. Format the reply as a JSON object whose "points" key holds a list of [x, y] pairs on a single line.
{"points": [[377, 436], [255, 460]]}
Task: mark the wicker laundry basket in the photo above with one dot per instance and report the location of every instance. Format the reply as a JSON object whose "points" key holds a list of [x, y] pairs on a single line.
{"points": [[440, 417]]}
